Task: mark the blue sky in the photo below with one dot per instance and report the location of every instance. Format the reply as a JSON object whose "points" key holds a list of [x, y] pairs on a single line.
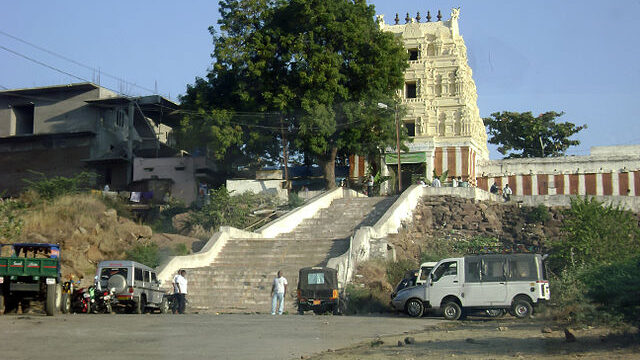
{"points": [[581, 57]]}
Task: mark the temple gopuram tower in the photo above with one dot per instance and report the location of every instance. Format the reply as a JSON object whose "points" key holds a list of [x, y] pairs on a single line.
{"points": [[440, 97]]}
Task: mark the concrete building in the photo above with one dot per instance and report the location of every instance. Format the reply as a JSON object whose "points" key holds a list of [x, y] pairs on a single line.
{"points": [[64, 129], [441, 101]]}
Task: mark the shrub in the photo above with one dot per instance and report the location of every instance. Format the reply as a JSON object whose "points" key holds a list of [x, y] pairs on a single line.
{"points": [[615, 287], [363, 300], [594, 234], [224, 209], [295, 200], [477, 245], [395, 270], [10, 222], [51, 188], [180, 249], [539, 214], [147, 254]]}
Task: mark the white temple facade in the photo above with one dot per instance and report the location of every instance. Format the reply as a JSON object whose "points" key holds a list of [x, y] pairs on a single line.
{"points": [[440, 99]]}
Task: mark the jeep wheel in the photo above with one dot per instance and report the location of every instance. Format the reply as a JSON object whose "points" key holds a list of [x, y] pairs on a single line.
{"points": [[414, 308], [522, 308], [141, 305], [50, 304], [164, 305], [451, 311]]}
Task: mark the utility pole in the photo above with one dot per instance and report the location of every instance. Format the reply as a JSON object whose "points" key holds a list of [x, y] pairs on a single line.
{"points": [[395, 114], [130, 142]]}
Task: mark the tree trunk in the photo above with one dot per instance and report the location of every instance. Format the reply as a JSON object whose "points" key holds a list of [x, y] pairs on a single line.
{"points": [[328, 165]]}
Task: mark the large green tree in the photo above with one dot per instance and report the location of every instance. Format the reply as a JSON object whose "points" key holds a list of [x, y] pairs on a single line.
{"points": [[521, 135], [323, 65]]}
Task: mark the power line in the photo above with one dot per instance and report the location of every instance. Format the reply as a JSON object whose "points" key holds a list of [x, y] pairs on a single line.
{"points": [[75, 62], [56, 69], [41, 63]]}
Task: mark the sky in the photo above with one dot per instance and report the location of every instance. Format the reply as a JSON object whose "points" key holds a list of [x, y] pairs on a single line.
{"points": [[577, 56]]}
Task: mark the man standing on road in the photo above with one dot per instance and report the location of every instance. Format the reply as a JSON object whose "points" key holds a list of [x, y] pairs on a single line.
{"points": [[176, 291], [278, 289], [181, 284]]}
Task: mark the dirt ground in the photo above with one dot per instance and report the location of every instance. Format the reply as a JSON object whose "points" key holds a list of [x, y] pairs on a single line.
{"points": [[507, 338]]}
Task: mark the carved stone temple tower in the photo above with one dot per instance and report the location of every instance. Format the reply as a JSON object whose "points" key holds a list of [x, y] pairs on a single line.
{"points": [[441, 101]]}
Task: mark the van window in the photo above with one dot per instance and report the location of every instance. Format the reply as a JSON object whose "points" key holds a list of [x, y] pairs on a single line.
{"points": [[154, 277], [445, 269], [472, 269], [147, 276], [493, 269], [522, 268], [138, 274]]}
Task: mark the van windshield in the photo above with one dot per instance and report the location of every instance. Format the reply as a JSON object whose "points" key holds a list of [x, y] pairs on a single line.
{"points": [[106, 273]]}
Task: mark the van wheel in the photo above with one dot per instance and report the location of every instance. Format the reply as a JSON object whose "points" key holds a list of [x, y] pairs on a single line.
{"points": [[451, 311], [522, 308], [414, 308]]}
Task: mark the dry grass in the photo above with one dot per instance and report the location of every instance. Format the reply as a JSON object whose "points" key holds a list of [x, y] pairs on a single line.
{"points": [[86, 229]]}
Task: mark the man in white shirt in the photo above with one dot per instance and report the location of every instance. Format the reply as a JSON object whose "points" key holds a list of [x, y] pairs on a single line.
{"points": [[278, 289], [176, 291], [435, 182], [506, 193], [181, 284]]}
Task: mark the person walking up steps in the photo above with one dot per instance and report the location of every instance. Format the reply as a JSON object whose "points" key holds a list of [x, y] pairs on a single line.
{"points": [[278, 289]]}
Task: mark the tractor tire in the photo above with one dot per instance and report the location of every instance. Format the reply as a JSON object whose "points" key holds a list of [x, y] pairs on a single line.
{"points": [[50, 303]]}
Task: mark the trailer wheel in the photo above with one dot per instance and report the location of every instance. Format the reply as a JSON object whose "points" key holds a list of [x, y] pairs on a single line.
{"points": [[50, 304], [65, 307]]}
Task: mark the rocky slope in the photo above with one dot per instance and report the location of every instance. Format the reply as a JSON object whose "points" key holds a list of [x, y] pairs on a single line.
{"points": [[455, 219]]}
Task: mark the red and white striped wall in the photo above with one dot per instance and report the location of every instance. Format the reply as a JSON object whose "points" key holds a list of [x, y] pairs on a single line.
{"points": [[457, 160], [605, 183]]}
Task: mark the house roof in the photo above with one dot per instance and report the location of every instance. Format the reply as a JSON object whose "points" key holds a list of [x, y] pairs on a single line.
{"points": [[46, 89], [154, 105]]}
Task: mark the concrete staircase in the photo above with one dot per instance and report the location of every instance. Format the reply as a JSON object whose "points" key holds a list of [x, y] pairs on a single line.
{"points": [[240, 278]]}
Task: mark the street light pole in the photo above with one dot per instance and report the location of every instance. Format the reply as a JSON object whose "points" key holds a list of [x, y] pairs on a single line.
{"points": [[395, 114], [398, 150]]}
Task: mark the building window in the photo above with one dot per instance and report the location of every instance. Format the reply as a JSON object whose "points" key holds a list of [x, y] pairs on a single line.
{"points": [[411, 90], [120, 118], [413, 54], [411, 128], [23, 115]]}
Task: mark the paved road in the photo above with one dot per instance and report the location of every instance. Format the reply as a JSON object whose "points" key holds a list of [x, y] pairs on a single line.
{"points": [[192, 336]]}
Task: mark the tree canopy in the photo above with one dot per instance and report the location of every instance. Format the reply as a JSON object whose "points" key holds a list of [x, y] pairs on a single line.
{"points": [[320, 65], [521, 135]]}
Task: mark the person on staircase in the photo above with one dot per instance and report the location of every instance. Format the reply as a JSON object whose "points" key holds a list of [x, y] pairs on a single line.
{"points": [[278, 289]]}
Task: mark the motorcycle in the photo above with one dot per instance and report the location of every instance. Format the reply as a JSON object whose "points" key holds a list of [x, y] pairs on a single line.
{"points": [[82, 300], [103, 301]]}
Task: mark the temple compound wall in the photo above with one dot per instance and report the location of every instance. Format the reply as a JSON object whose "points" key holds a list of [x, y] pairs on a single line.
{"points": [[607, 171]]}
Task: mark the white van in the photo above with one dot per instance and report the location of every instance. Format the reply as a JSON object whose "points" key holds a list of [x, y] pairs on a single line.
{"points": [[513, 282]]}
